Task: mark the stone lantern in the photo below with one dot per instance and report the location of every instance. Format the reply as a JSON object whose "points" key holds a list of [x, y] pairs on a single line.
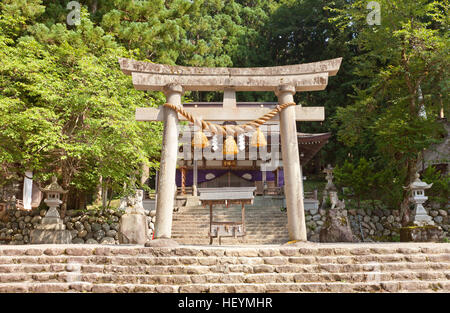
{"points": [[52, 228], [418, 197], [422, 228]]}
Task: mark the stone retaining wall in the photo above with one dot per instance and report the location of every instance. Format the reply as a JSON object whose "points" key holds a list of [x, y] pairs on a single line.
{"points": [[94, 227], [89, 227], [375, 225]]}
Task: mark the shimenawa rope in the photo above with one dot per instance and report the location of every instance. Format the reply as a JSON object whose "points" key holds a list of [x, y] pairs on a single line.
{"points": [[229, 129]]}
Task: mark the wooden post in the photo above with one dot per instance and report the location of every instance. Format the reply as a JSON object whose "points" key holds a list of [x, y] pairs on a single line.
{"points": [[243, 218], [210, 223], [195, 178], [291, 163], [264, 181], [183, 180], [166, 186]]}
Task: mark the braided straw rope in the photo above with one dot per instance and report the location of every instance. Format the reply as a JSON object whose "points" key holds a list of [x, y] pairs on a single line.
{"points": [[229, 129]]}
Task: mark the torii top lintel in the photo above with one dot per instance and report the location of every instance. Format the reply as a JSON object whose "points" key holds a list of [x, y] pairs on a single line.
{"points": [[304, 77]]}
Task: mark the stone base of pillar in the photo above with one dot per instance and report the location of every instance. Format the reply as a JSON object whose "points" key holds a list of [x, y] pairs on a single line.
{"points": [[50, 236], [162, 242], [294, 243]]}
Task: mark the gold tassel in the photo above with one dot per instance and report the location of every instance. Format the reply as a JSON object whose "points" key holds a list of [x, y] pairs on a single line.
{"points": [[230, 146], [258, 139], [200, 140]]}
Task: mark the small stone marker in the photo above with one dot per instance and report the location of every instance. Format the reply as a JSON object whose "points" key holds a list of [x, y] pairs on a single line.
{"points": [[133, 225], [336, 227]]}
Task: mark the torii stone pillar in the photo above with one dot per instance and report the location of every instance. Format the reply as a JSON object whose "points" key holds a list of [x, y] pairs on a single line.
{"points": [[168, 165], [293, 186]]}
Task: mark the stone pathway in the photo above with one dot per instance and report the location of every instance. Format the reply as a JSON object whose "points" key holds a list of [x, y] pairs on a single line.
{"points": [[299, 267]]}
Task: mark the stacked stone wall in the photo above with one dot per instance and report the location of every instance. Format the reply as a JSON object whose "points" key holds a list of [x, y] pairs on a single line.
{"points": [[373, 224], [92, 227]]}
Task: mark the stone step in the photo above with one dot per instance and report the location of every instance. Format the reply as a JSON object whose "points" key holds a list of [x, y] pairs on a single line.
{"points": [[435, 252], [206, 214], [205, 230], [249, 219], [252, 220], [267, 218], [306, 267], [147, 265], [254, 206], [266, 238], [230, 211], [216, 278], [254, 224], [197, 225], [383, 286], [258, 237], [256, 212]]}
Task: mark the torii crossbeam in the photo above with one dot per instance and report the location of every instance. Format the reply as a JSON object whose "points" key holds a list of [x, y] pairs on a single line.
{"points": [[285, 81]]}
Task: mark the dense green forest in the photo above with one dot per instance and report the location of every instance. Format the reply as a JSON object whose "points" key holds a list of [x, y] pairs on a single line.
{"points": [[66, 108]]}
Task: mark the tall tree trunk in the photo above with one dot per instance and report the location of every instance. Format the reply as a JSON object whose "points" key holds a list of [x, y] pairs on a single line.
{"points": [[98, 195], [66, 178], [93, 6], [145, 173], [81, 201], [104, 196]]}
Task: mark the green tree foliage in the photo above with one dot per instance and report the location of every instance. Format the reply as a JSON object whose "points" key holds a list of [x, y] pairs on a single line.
{"points": [[300, 31], [66, 107], [366, 182], [359, 178], [440, 191], [403, 62]]}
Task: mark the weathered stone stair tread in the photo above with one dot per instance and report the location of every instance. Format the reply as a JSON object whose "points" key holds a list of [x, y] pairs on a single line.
{"points": [[25, 262], [306, 267], [384, 286], [254, 268], [220, 278], [299, 249]]}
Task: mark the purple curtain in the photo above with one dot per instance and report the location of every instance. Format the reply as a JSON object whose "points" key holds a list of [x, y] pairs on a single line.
{"points": [[252, 175]]}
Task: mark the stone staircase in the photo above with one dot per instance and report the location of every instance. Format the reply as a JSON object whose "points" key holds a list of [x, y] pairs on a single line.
{"points": [[265, 223], [300, 267]]}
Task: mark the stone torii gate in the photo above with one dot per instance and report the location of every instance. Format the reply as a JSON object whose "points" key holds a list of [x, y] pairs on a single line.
{"points": [[285, 81]]}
